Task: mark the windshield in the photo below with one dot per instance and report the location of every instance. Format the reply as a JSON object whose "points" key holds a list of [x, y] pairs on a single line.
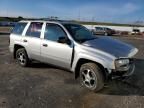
{"points": [[79, 33]]}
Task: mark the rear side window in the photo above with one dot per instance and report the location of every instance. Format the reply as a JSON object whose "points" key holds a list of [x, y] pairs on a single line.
{"points": [[19, 27], [34, 30]]}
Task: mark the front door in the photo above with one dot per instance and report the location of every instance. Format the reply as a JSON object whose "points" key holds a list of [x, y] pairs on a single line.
{"points": [[52, 51]]}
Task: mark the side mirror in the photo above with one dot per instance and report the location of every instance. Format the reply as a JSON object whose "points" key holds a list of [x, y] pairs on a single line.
{"points": [[64, 40]]}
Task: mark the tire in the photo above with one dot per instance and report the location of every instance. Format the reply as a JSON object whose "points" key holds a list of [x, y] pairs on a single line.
{"points": [[22, 58], [106, 34], [91, 77]]}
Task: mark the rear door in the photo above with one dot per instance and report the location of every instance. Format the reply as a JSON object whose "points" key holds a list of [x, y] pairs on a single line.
{"points": [[52, 51], [32, 40]]}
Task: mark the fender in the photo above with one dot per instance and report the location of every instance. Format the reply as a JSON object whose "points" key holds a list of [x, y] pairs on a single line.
{"points": [[104, 61]]}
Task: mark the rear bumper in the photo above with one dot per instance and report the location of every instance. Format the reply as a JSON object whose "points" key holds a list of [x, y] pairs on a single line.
{"points": [[11, 49]]}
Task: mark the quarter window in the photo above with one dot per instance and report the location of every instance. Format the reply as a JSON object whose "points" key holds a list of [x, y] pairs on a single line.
{"points": [[34, 30], [53, 32], [18, 29]]}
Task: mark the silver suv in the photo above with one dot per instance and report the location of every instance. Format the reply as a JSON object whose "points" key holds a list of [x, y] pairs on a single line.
{"points": [[71, 46]]}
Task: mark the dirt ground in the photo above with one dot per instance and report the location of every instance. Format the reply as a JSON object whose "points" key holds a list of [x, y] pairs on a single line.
{"points": [[44, 86]]}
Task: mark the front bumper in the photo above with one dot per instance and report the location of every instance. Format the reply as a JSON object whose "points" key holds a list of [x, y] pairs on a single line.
{"points": [[128, 71]]}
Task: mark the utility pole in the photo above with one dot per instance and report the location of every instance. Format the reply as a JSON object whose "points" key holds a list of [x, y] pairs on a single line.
{"points": [[79, 15], [93, 20]]}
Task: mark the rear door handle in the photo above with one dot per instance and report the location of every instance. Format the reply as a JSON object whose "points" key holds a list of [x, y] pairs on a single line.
{"points": [[25, 40], [45, 45]]}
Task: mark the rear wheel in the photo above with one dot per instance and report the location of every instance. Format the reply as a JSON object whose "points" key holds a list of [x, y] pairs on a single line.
{"points": [[91, 77], [22, 58]]}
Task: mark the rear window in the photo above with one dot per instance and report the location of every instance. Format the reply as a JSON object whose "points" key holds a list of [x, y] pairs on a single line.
{"points": [[136, 30], [98, 28], [19, 27]]}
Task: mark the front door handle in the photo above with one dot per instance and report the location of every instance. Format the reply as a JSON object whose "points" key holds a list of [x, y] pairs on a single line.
{"points": [[25, 40], [45, 45]]}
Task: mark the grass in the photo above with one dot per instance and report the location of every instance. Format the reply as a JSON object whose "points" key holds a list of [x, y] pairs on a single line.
{"points": [[108, 24]]}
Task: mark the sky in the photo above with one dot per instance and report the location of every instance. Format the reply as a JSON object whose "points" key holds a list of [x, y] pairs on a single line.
{"points": [[119, 11]]}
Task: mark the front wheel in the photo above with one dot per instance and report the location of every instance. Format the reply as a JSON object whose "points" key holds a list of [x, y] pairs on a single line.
{"points": [[106, 34], [91, 77]]}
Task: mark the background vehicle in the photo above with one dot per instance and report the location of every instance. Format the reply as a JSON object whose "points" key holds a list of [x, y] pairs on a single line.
{"points": [[7, 24], [73, 47], [103, 31], [136, 32]]}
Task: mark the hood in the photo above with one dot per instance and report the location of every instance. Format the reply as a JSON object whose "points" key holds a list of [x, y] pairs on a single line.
{"points": [[112, 46]]}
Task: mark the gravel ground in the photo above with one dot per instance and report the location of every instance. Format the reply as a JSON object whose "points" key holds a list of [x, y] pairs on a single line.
{"points": [[44, 86]]}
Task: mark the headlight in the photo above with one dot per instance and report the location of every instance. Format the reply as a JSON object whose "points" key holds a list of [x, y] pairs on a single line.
{"points": [[121, 62]]}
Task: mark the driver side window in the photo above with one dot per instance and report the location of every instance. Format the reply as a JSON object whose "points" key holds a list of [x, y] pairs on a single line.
{"points": [[53, 32]]}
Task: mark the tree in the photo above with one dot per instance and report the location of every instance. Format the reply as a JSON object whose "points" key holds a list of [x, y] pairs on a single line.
{"points": [[20, 18]]}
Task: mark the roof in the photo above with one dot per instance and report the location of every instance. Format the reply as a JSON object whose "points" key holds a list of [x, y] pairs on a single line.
{"points": [[50, 21], [37, 21]]}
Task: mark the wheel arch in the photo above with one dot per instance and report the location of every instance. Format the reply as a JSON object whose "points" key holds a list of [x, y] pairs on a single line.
{"points": [[16, 47], [82, 61]]}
